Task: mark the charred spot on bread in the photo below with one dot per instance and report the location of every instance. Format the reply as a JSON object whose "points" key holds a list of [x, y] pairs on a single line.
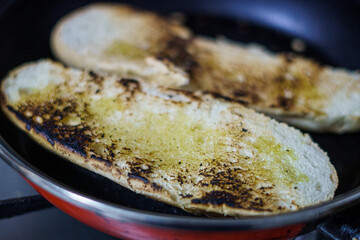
{"points": [[234, 201], [137, 176], [72, 137], [175, 51]]}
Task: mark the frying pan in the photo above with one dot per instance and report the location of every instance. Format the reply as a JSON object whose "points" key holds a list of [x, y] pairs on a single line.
{"points": [[332, 36]]}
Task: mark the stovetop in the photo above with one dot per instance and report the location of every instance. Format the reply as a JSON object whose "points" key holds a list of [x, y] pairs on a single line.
{"points": [[51, 223]]}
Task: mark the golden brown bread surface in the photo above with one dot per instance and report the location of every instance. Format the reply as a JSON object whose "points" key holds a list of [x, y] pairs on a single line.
{"points": [[120, 39], [116, 38], [287, 87], [191, 150]]}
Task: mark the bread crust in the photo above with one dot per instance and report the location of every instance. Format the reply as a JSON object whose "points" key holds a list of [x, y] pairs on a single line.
{"points": [[223, 188]]}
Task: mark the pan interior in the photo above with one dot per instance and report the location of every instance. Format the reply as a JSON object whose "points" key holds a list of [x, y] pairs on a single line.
{"points": [[25, 36]]}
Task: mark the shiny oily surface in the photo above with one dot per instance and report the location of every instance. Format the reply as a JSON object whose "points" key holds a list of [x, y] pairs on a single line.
{"points": [[168, 139], [206, 152], [119, 48]]}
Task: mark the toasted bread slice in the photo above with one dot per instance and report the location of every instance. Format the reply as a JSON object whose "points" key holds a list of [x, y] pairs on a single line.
{"points": [[192, 150], [122, 40], [290, 88]]}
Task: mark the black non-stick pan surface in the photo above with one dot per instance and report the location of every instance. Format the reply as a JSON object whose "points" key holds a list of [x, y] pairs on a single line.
{"points": [[329, 29]]}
